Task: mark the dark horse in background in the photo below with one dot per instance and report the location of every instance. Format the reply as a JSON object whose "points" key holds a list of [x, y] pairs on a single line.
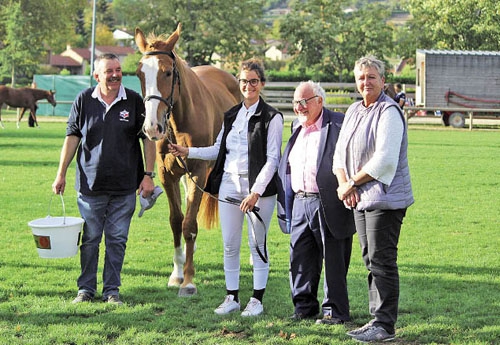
{"points": [[24, 98], [389, 90], [184, 106]]}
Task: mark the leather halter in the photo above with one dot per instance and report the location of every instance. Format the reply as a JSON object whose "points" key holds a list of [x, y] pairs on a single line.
{"points": [[175, 80]]}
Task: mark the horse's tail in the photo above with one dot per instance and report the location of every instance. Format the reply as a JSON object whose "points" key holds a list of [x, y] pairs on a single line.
{"points": [[209, 211]]}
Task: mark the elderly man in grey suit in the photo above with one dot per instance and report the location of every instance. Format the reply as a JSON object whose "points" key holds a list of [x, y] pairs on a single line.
{"points": [[320, 226]]}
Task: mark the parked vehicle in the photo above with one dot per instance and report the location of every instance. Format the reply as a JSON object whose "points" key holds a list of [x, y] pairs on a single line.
{"points": [[458, 79]]}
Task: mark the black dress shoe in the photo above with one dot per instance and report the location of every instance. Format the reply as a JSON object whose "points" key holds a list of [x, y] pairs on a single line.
{"points": [[300, 316], [328, 320]]}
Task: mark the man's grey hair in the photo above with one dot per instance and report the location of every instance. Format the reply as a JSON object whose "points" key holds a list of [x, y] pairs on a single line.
{"points": [[317, 89], [105, 56]]}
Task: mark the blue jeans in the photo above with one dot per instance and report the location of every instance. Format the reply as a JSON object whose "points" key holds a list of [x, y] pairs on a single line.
{"points": [[109, 215]]}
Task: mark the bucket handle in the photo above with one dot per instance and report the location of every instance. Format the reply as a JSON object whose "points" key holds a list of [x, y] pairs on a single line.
{"points": [[63, 208]]}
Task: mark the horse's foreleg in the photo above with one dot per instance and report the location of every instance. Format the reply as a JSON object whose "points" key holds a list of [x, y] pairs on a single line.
{"points": [[1, 124], [176, 218], [190, 233], [176, 277]]}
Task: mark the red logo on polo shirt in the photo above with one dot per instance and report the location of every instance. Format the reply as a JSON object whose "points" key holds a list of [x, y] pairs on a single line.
{"points": [[124, 115]]}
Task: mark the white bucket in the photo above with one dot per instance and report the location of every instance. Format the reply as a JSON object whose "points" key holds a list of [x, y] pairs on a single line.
{"points": [[56, 237]]}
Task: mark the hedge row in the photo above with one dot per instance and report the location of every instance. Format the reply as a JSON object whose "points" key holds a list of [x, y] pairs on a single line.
{"points": [[296, 76]]}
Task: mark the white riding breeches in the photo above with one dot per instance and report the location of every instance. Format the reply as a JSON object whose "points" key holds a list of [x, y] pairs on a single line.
{"points": [[231, 220]]}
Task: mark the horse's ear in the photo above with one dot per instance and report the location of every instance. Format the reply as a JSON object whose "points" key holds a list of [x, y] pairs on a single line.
{"points": [[174, 37], [140, 40]]}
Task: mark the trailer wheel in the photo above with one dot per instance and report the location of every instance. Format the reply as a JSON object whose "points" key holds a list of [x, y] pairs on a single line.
{"points": [[457, 120]]}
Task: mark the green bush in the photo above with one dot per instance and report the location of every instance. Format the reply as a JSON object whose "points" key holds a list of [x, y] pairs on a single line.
{"points": [[407, 76], [130, 63], [4, 79], [275, 65], [296, 75], [339, 97], [400, 79], [273, 75], [45, 69]]}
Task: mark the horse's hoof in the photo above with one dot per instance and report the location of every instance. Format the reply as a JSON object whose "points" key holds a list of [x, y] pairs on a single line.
{"points": [[175, 281], [188, 291]]}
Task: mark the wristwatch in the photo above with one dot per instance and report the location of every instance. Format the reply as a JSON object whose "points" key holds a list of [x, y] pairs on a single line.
{"points": [[351, 183], [150, 174]]}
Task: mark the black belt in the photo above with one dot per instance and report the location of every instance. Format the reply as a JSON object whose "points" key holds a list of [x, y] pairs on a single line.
{"points": [[306, 195]]}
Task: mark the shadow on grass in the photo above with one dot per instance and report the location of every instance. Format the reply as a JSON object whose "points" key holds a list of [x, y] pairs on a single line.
{"points": [[440, 303], [30, 163], [445, 304], [36, 134]]}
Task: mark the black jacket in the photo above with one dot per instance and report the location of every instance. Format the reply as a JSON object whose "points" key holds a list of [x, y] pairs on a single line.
{"points": [[258, 125]]}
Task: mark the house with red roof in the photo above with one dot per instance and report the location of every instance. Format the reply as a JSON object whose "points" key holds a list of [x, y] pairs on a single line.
{"points": [[76, 60]]}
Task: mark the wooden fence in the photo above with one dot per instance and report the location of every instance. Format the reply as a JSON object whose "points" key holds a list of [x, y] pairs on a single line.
{"points": [[339, 95]]}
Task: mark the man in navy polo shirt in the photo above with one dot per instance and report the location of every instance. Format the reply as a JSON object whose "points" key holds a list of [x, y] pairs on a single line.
{"points": [[104, 128]]}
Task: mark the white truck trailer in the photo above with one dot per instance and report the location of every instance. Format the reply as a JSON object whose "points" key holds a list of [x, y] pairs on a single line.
{"points": [[458, 79]]}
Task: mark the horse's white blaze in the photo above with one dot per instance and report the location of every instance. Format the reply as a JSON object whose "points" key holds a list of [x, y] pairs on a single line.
{"points": [[150, 70]]}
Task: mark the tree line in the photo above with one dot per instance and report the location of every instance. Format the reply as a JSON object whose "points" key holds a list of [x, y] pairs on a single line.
{"points": [[323, 38]]}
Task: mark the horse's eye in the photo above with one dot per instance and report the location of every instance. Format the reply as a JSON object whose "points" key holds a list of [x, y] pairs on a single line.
{"points": [[168, 73]]}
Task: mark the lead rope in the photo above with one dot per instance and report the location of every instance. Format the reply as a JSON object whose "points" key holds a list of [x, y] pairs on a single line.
{"points": [[232, 201]]}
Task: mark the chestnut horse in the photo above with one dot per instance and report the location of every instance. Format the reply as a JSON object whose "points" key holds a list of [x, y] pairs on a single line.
{"points": [[185, 106], [24, 98]]}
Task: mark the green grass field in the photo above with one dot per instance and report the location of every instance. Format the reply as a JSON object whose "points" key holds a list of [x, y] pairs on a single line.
{"points": [[448, 257]]}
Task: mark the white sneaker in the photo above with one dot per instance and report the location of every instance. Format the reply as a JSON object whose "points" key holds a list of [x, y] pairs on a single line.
{"points": [[228, 306], [253, 308]]}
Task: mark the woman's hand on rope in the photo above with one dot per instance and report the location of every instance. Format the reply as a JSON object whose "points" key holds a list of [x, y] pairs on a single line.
{"points": [[178, 150], [249, 202]]}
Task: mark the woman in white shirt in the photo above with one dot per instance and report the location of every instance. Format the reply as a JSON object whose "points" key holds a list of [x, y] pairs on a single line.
{"points": [[371, 164], [247, 152]]}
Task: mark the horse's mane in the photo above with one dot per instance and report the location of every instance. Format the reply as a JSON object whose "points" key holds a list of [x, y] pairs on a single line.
{"points": [[159, 42], [154, 39]]}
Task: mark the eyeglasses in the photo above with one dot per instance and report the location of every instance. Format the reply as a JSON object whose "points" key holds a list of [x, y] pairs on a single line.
{"points": [[252, 82], [303, 102]]}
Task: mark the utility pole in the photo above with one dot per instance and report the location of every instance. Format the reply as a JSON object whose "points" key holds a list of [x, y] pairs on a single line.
{"points": [[92, 48]]}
